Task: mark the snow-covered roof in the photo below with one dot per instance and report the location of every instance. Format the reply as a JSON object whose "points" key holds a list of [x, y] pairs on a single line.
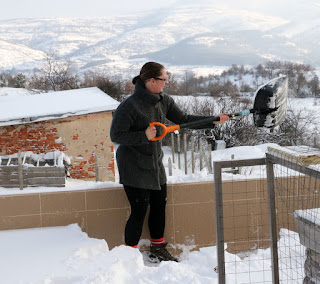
{"points": [[23, 107]]}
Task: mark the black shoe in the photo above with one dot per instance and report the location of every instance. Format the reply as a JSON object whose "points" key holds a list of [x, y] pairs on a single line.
{"points": [[160, 252]]}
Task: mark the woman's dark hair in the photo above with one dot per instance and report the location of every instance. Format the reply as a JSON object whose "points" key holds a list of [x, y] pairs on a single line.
{"points": [[148, 71]]}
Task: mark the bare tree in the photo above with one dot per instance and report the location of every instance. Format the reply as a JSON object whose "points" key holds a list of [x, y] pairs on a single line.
{"points": [[55, 75], [113, 88]]}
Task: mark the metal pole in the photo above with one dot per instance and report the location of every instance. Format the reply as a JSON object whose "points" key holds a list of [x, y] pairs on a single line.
{"points": [[172, 147], [210, 158], [185, 146], [219, 222], [272, 222], [192, 153]]}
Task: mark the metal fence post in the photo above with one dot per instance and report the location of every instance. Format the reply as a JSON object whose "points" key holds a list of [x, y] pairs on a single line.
{"points": [[172, 147], [272, 222], [185, 148], [192, 153], [219, 222]]}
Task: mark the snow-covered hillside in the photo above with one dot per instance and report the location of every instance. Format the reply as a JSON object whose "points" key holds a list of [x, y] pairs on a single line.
{"points": [[189, 32]]}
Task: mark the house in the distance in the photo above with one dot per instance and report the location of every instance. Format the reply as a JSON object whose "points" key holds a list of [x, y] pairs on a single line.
{"points": [[75, 122]]}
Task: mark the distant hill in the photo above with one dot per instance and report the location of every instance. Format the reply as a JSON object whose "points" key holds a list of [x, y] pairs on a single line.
{"points": [[184, 34]]}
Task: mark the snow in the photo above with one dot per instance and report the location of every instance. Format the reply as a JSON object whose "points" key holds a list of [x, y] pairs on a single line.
{"points": [[46, 106], [178, 175], [67, 255], [312, 215], [239, 153]]}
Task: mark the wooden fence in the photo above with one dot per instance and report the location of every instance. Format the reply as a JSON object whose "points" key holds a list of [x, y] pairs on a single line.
{"points": [[204, 150], [201, 150], [14, 172]]}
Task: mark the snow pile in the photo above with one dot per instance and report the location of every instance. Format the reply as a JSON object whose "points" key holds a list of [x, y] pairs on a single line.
{"points": [[67, 255]]}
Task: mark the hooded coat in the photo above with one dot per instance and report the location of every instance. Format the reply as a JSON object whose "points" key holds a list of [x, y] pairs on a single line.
{"points": [[140, 160]]}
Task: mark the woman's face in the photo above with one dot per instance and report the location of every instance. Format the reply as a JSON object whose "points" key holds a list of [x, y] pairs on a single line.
{"points": [[156, 85]]}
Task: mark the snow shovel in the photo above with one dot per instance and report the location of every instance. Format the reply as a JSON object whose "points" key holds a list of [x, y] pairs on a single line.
{"points": [[269, 108]]}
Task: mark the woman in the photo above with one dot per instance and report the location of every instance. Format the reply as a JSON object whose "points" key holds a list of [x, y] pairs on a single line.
{"points": [[140, 159]]}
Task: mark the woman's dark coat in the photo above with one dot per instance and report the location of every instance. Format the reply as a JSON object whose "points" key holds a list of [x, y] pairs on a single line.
{"points": [[140, 160]]}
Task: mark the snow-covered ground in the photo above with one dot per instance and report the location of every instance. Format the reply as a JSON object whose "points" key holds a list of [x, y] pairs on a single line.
{"points": [[178, 175], [66, 255]]}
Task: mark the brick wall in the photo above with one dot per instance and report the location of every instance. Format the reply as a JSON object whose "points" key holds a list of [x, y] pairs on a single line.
{"points": [[80, 137]]}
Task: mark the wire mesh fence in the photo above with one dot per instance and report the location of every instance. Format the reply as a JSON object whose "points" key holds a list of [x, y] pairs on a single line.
{"points": [[268, 229], [248, 258], [297, 187], [242, 225]]}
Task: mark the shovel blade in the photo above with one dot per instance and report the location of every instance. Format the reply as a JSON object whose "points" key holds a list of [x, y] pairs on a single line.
{"points": [[271, 103]]}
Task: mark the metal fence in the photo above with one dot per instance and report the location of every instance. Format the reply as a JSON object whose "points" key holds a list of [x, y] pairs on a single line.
{"points": [[275, 221]]}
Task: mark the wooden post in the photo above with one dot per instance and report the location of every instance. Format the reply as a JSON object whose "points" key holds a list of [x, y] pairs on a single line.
{"points": [[200, 154], [178, 146], [20, 173], [185, 146], [192, 153], [172, 147], [233, 169], [9, 161], [170, 166], [210, 158], [96, 167]]}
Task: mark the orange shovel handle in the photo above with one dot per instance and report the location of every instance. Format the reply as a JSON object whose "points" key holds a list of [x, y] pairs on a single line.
{"points": [[166, 129]]}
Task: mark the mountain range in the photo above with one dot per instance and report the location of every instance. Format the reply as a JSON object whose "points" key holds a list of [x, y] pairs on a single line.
{"points": [[208, 33]]}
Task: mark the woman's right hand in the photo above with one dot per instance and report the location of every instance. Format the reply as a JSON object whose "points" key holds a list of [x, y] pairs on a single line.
{"points": [[151, 132]]}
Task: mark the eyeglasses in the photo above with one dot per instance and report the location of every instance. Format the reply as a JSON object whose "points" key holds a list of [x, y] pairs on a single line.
{"points": [[160, 79]]}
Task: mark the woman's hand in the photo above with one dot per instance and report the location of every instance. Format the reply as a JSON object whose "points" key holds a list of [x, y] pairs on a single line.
{"points": [[223, 118], [151, 132]]}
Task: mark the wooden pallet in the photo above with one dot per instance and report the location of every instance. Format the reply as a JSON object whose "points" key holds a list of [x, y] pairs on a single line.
{"points": [[32, 176]]}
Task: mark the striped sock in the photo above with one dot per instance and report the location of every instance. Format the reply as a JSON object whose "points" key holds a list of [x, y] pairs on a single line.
{"points": [[157, 242], [132, 246]]}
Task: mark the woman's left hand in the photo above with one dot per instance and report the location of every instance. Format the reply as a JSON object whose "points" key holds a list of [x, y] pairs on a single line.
{"points": [[223, 118]]}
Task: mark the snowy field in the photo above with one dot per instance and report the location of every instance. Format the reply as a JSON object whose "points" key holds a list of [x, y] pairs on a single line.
{"points": [[66, 255]]}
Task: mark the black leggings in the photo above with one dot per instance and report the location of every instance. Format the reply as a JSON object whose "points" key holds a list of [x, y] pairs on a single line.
{"points": [[139, 200]]}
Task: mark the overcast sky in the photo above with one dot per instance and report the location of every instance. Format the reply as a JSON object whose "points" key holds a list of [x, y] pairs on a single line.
{"points": [[12, 9]]}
